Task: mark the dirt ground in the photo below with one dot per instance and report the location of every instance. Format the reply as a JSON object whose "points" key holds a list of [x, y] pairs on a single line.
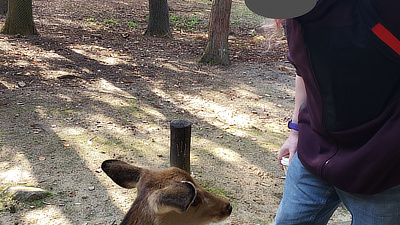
{"points": [[91, 87]]}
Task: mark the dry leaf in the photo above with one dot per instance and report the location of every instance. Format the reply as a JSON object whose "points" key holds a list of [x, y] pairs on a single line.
{"points": [[125, 80]]}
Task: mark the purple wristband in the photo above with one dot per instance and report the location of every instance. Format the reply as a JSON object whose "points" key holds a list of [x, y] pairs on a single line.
{"points": [[293, 126]]}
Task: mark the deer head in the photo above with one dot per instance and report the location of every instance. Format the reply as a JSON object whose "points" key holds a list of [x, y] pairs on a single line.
{"points": [[166, 197]]}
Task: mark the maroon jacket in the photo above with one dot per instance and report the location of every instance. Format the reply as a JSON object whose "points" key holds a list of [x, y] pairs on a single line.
{"points": [[348, 53]]}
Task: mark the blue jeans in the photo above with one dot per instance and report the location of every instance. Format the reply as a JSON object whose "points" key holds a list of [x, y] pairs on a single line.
{"points": [[309, 200]]}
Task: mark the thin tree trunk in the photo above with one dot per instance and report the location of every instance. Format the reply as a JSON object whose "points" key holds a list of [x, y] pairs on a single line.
{"points": [[216, 51], [158, 19], [19, 18], [3, 6]]}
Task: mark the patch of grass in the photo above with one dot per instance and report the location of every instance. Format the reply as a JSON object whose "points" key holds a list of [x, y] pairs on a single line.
{"points": [[111, 21], [134, 25], [207, 184], [9, 204], [131, 100], [37, 203], [233, 22], [179, 22], [240, 12], [6, 203], [90, 19], [3, 199], [131, 111]]}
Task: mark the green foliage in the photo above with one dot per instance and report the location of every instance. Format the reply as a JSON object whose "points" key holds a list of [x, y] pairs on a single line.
{"points": [[111, 21], [179, 22], [37, 203], [134, 25], [90, 19], [216, 191], [240, 12], [7, 203], [233, 22]]}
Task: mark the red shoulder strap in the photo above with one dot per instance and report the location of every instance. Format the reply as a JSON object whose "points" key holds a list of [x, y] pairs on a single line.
{"points": [[386, 36]]}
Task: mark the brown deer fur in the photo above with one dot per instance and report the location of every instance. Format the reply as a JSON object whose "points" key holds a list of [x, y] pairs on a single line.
{"points": [[166, 197]]}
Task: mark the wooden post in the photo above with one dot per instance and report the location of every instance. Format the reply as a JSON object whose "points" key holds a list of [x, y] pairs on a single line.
{"points": [[180, 144]]}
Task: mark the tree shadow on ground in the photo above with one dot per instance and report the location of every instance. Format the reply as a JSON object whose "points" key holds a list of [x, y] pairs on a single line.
{"points": [[122, 109]]}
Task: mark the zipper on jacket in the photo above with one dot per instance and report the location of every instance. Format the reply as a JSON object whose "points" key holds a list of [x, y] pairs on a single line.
{"points": [[321, 123], [327, 162], [323, 167]]}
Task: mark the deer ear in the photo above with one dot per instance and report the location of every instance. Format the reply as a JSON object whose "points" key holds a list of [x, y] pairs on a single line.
{"points": [[176, 197], [122, 173]]}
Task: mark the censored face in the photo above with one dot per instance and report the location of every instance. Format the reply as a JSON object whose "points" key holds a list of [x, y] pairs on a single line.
{"points": [[281, 9]]}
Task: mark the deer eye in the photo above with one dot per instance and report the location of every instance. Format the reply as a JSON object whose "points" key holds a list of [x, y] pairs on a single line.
{"points": [[196, 201]]}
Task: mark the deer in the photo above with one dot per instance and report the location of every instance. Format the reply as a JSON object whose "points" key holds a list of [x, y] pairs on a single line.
{"points": [[166, 197]]}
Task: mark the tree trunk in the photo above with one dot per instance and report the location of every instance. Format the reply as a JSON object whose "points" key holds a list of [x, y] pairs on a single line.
{"points": [[19, 18], [158, 19], [3, 6], [216, 51]]}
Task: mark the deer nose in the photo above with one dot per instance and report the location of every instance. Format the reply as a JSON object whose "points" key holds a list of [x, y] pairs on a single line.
{"points": [[229, 208]]}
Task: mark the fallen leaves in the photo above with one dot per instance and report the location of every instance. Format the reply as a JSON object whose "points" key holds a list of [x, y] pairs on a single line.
{"points": [[37, 128], [72, 194], [126, 80]]}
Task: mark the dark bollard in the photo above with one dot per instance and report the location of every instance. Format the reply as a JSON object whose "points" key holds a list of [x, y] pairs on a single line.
{"points": [[180, 144]]}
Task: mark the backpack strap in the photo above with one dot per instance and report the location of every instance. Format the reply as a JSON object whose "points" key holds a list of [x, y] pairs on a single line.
{"points": [[386, 36], [374, 22]]}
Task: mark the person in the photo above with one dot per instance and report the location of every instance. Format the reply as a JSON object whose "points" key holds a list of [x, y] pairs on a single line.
{"points": [[345, 143]]}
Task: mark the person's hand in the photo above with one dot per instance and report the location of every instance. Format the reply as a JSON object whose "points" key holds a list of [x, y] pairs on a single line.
{"points": [[289, 147]]}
